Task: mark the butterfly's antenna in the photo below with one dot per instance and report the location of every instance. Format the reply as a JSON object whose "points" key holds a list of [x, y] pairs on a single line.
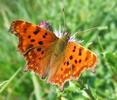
{"points": [[63, 16], [63, 13], [91, 29]]}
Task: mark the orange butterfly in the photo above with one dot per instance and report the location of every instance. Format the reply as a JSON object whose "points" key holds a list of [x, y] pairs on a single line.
{"points": [[56, 58]]}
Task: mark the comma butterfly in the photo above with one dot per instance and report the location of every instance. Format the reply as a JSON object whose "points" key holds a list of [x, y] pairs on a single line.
{"points": [[58, 59]]}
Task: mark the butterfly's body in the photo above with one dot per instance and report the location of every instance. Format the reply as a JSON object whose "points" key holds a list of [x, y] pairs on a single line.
{"points": [[60, 45], [57, 54], [56, 58]]}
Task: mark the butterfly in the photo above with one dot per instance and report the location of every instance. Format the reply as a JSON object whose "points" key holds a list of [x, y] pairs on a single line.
{"points": [[58, 59]]}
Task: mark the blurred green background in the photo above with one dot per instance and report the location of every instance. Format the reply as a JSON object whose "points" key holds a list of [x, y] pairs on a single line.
{"points": [[80, 15]]}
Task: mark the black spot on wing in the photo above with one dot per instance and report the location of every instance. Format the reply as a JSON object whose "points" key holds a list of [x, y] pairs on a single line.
{"points": [[80, 52], [75, 61], [29, 36], [74, 49], [32, 40], [44, 36], [79, 60], [36, 31], [67, 63], [42, 52], [46, 33], [71, 57], [73, 67], [40, 42], [39, 49]]}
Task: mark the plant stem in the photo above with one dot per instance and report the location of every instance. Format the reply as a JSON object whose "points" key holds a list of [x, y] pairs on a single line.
{"points": [[36, 87], [9, 81]]}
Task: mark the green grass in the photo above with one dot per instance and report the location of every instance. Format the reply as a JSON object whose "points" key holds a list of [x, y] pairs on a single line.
{"points": [[80, 15]]}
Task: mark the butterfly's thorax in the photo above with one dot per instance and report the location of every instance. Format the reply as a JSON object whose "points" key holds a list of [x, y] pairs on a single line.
{"points": [[60, 45]]}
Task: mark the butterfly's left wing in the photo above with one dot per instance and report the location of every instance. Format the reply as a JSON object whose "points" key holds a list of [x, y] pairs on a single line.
{"points": [[35, 43], [76, 60]]}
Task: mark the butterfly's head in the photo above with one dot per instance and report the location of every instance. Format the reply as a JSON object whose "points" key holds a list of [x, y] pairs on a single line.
{"points": [[46, 25], [66, 36]]}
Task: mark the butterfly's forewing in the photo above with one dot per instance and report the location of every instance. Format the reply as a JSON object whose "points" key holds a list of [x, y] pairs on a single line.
{"points": [[35, 43], [31, 36], [76, 60]]}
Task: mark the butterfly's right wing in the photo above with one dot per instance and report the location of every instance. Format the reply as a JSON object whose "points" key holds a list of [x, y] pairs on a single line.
{"points": [[75, 60]]}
